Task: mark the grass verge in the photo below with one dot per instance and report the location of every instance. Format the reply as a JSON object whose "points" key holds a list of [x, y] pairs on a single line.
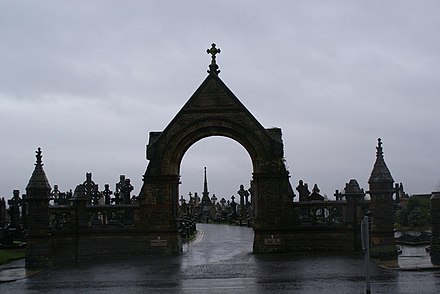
{"points": [[8, 255]]}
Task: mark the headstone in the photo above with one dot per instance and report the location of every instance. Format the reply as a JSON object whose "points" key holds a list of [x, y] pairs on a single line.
{"points": [[303, 191], [223, 203], [315, 196], [91, 190], [55, 195], [196, 199], [2, 212], [118, 192], [125, 190], [233, 206], [14, 209], [117, 199], [243, 201], [107, 193]]}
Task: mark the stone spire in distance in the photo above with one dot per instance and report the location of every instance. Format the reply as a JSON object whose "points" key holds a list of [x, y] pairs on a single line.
{"points": [[205, 184], [205, 197]]}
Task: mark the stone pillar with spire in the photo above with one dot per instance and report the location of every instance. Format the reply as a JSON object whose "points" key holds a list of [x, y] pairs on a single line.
{"points": [[383, 245], [37, 198]]}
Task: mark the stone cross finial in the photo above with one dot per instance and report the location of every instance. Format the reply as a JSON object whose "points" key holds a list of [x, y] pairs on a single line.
{"points": [[213, 67]]}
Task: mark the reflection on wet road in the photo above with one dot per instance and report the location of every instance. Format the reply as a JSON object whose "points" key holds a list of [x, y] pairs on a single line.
{"points": [[220, 260]]}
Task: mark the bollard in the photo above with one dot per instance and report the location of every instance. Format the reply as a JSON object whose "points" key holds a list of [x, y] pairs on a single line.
{"points": [[365, 235]]}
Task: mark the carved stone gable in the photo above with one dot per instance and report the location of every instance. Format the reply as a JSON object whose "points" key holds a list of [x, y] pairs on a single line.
{"points": [[212, 94]]}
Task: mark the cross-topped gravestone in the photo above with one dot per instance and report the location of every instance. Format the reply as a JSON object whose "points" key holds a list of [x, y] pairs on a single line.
{"points": [[55, 195], [2, 211], [125, 189], [213, 199], [244, 194], [107, 194], [91, 190], [213, 67], [14, 209], [233, 205]]}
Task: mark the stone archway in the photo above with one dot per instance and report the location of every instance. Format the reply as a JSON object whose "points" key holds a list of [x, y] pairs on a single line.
{"points": [[213, 110]]}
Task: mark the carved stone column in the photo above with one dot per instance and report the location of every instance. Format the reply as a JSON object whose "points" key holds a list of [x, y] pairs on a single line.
{"points": [[37, 198], [354, 195], [383, 245], [80, 201]]}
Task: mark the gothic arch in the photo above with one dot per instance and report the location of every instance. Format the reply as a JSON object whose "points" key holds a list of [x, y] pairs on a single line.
{"points": [[213, 110], [207, 128]]}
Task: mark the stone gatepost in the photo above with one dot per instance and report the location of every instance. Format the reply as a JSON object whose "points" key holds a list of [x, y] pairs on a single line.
{"points": [[37, 198], [435, 223], [383, 245], [354, 195], [158, 213], [80, 200]]}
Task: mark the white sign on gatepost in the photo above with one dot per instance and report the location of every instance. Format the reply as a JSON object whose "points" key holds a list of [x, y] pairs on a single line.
{"points": [[158, 242]]}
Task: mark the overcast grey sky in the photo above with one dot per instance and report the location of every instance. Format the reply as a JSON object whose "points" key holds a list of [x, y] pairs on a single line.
{"points": [[88, 80]]}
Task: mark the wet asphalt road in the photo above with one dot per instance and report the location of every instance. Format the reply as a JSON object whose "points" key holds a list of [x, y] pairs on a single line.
{"points": [[220, 260]]}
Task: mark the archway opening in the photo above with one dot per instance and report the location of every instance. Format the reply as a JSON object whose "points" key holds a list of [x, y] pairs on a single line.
{"points": [[228, 166]]}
